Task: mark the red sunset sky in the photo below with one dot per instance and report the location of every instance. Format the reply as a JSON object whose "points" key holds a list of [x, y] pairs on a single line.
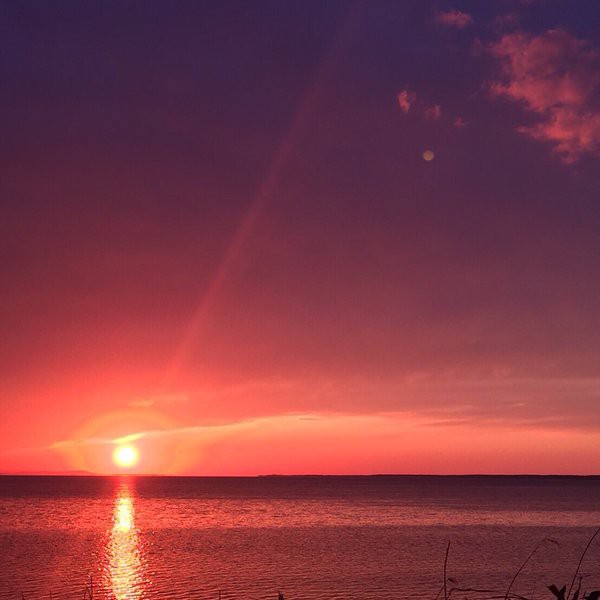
{"points": [[220, 240]]}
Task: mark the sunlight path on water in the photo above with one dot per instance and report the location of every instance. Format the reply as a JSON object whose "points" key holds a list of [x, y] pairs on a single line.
{"points": [[123, 575]]}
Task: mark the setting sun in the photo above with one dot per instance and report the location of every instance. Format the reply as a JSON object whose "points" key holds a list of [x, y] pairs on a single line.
{"points": [[126, 456]]}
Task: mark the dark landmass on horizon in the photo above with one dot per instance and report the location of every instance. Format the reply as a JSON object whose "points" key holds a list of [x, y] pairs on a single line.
{"points": [[311, 475]]}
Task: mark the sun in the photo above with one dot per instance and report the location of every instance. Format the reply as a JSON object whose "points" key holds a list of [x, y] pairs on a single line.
{"points": [[126, 457]]}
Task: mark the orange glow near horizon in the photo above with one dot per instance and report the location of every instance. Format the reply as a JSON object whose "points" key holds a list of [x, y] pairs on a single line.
{"points": [[96, 446], [312, 443]]}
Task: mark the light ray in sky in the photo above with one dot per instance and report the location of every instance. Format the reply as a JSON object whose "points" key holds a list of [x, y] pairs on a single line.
{"points": [[264, 194]]}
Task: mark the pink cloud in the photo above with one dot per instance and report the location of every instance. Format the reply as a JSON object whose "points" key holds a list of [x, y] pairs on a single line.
{"points": [[433, 112], [459, 122], [551, 69], [573, 133], [405, 100], [453, 18], [554, 75]]}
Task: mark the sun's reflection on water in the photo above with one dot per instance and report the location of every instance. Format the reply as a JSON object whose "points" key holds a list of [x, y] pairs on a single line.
{"points": [[124, 560]]}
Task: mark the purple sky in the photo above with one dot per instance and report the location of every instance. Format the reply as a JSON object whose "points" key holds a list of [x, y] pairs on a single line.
{"points": [[218, 215]]}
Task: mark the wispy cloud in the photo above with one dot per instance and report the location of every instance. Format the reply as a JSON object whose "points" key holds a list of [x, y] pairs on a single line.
{"points": [[142, 403], [405, 100], [163, 400], [555, 76], [453, 18], [508, 20], [433, 112], [395, 441]]}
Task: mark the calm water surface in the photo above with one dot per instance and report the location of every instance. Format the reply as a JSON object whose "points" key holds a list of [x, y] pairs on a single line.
{"points": [[310, 537]]}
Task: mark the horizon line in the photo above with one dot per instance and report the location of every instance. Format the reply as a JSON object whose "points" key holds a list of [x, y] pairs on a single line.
{"points": [[289, 475]]}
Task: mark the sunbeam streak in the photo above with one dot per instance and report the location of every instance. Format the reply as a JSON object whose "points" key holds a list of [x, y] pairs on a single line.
{"points": [[248, 223]]}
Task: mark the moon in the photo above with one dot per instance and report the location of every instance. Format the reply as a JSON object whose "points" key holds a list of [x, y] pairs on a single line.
{"points": [[126, 456]]}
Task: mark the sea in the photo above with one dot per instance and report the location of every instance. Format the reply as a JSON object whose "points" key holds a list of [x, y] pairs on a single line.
{"points": [[321, 537]]}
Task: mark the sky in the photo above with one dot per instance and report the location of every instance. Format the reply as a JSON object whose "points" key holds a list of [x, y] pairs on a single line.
{"points": [[300, 237]]}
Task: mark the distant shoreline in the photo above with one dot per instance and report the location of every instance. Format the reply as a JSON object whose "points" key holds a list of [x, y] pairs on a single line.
{"points": [[312, 476]]}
